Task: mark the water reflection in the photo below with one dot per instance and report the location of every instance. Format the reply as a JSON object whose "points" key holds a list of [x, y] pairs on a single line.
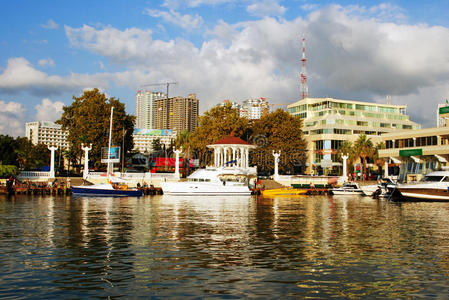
{"points": [[304, 246]]}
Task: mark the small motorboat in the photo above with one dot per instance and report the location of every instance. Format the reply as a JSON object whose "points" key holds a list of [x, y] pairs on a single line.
{"points": [[349, 188], [284, 192], [106, 189], [377, 189]]}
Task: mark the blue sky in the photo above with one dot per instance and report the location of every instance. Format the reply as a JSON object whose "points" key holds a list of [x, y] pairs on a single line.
{"points": [[221, 49]]}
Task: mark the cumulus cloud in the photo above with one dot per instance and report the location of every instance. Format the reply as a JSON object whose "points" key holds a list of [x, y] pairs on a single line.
{"points": [[351, 54], [11, 118], [20, 75], [184, 21], [266, 8], [48, 110], [46, 62], [50, 25]]}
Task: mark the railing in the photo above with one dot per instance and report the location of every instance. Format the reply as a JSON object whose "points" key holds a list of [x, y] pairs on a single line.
{"points": [[33, 174], [135, 176]]}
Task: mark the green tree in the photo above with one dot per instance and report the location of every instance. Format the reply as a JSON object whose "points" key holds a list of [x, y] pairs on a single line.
{"points": [[215, 124], [8, 155], [31, 157], [87, 120], [379, 162], [8, 170], [364, 148], [279, 131], [156, 145]]}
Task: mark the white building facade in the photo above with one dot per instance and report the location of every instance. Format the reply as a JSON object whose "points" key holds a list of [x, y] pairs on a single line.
{"points": [[47, 133], [329, 122], [143, 138], [145, 107]]}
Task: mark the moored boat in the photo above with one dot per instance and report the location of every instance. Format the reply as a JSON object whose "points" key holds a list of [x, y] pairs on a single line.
{"points": [[376, 189], [284, 192], [211, 181], [433, 187], [349, 188], [106, 189]]}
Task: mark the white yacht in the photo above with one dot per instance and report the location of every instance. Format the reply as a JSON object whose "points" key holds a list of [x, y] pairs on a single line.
{"points": [[212, 181], [349, 188], [433, 187], [230, 175], [380, 187]]}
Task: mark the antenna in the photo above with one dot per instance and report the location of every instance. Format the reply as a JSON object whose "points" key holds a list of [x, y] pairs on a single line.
{"points": [[304, 88]]}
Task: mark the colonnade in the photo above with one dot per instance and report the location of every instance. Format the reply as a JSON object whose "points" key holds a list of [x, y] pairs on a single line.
{"points": [[231, 155]]}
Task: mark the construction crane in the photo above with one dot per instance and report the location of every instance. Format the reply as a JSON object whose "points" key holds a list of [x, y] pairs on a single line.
{"points": [[168, 86], [265, 111], [162, 83]]}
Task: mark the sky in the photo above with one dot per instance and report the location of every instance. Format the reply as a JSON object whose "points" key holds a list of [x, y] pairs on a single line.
{"points": [[366, 50]]}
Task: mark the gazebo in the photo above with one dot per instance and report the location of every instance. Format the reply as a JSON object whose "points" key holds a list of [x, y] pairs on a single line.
{"points": [[231, 151]]}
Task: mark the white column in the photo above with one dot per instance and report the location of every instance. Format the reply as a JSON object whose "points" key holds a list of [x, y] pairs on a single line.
{"points": [[177, 176], [386, 168], [52, 162], [233, 156], [276, 164], [246, 158], [86, 160], [345, 167]]}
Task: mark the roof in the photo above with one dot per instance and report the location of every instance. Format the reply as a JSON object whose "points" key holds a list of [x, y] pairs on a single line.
{"points": [[231, 140]]}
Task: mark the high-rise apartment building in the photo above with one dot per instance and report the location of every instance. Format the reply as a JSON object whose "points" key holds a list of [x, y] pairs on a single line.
{"points": [[177, 113], [47, 133], [145, 108], [328, 122]]}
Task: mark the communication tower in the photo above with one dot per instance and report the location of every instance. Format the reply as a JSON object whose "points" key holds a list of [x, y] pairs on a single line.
{"points": [[304, 88]]}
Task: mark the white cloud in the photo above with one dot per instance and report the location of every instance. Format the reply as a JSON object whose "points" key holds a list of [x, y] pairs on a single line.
{"points": [[187, 22], [360, 53], [46, 62], [50, 25], [20, 75], [12, 118], [266, 8], [349, 56], [48, 110]]}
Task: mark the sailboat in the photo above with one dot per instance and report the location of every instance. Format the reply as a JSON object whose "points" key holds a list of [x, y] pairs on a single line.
{"points": [[107, 189]]}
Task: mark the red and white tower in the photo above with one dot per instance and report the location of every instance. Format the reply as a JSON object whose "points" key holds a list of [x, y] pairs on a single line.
{"points": [[304, 88]]}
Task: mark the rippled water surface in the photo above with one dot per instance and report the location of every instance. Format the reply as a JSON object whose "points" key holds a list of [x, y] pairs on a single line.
{"points": [[205, 247]]}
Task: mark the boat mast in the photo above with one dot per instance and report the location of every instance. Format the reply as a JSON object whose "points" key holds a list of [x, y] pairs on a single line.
{"points": [[110, 138]]}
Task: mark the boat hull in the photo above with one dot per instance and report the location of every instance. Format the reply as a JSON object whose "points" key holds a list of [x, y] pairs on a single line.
{"points": [[347, 192], [284, 192], [86, 191], [427, 194], [204, 189]]}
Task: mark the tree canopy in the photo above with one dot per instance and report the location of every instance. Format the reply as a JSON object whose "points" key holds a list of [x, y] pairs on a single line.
{"points": [[279, 131], [218, 122], [20, 152], [87, 120], [274, 131]]}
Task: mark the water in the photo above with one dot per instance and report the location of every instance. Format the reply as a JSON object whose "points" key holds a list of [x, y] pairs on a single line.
{"points": [[212, 247]]}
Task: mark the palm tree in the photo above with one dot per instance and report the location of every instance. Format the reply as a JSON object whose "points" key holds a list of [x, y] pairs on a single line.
{"points": [[379, 162], [364, 148]]}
